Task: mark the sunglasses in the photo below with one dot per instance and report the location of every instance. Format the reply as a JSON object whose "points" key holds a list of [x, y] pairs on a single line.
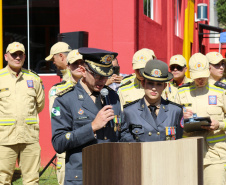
{"points": [[179, 68]]}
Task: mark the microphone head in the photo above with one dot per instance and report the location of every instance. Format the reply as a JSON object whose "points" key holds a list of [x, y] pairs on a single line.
{"points": [[104, 92]]}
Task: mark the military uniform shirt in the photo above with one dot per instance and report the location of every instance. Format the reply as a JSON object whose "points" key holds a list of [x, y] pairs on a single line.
{"points": [[171, 89], [71, 118], [131, 90], [21, 99], [140, 126], [207, 101]]}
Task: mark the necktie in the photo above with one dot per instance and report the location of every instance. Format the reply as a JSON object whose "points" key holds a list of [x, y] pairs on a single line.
{"points": [[98, 99], [153, 109]]}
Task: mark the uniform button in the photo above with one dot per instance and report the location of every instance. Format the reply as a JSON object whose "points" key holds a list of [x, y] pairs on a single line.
{"points": [[158, 133], [105, 138], [149, 133], [136, 131], [76, 176]]}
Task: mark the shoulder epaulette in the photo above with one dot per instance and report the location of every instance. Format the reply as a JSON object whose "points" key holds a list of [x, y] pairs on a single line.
{"points": [[185, 85], [60, 83], [33, 72], [173, 103], [127, 83], [127, 76], [61, 93], [220, 84], [130, 103]]}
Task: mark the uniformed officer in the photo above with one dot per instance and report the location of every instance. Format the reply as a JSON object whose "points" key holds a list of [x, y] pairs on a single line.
{"points": [[178, 67], [74, 59], [131, 88], [152, 118], [58, 54], [217, 67], [79, 117], [206, 100], [22, 98]]}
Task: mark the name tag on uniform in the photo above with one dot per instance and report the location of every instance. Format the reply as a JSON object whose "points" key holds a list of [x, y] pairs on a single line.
{"points": [[30, 83], [212, 99]]}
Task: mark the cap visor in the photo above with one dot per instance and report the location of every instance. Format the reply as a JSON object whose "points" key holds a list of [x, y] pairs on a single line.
{"points": [[200, 74], [158, 79], [103, 71], [49, 58]]}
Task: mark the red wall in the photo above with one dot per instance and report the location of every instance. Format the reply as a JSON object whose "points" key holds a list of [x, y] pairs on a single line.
{"points": [[45, 135], [110, 25]]}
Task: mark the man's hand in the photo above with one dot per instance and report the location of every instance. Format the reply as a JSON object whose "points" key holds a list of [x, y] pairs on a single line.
{"points": [[213, 126], [104, 115], [187, 113], [114, 79]]}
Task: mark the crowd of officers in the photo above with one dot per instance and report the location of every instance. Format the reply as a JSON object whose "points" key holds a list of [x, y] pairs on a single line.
{"points": [[149, 105]]}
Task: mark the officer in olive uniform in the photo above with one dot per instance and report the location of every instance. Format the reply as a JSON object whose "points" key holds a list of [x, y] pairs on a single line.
{"points": [[58, 54], [152, 118], [74, 59], [177, 68], [206, 100], [131, 88], [22, 98], [217, 67], [79, 117]]}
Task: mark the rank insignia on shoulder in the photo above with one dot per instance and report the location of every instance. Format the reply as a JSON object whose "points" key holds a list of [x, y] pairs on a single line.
{"points": [[60, 83], [220, 84], [55, 111], [5, 89], [61, 93], [187, 104], [33, 72], [80, 96], [125, 84], [130, 103], [185, 85], [68, 135]]}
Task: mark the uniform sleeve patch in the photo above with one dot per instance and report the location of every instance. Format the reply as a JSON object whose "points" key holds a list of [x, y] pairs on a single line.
{"points": [[30, 84], [212, 100], [53, 92], [55, 111], [182, 122]]}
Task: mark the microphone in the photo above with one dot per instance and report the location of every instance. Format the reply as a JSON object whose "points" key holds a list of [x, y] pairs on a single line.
{"points": [[104, 92]]}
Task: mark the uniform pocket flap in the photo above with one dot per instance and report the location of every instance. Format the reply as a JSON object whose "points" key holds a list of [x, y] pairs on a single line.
{"points": [[138, 131], [73, 175], [214, 110], [5, 94]]}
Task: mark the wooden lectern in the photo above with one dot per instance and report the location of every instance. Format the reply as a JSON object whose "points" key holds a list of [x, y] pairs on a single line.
{"points": [[178, 162]]}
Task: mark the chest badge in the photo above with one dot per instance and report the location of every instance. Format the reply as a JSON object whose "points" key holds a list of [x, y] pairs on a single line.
{"points": [[30, 84], [81, 111], [212, 100]]}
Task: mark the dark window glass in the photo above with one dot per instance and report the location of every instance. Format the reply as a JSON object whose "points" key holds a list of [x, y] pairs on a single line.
{"points": [[44, 28]]}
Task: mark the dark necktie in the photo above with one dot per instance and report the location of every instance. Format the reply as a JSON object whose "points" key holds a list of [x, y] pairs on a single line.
{"points": [[153, 109], [98, 99]]}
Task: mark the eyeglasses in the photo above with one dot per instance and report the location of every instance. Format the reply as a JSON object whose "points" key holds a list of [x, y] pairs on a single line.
{"points": [[95, 75], [179, 68], [219, 65]]}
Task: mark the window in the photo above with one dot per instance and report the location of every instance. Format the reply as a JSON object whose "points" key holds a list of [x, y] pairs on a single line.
{"points": [[148, 8], [177, 14], [35, 23], [152, 9]]}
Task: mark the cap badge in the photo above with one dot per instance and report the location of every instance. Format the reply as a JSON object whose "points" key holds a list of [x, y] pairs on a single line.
{"points": [[175, 58], [156, 73], [217, 54], [142, 58], [199, 66], [107, 59]]}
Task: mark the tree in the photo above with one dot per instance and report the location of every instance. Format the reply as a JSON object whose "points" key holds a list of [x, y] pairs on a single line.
{"points": [[221, 12]]}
